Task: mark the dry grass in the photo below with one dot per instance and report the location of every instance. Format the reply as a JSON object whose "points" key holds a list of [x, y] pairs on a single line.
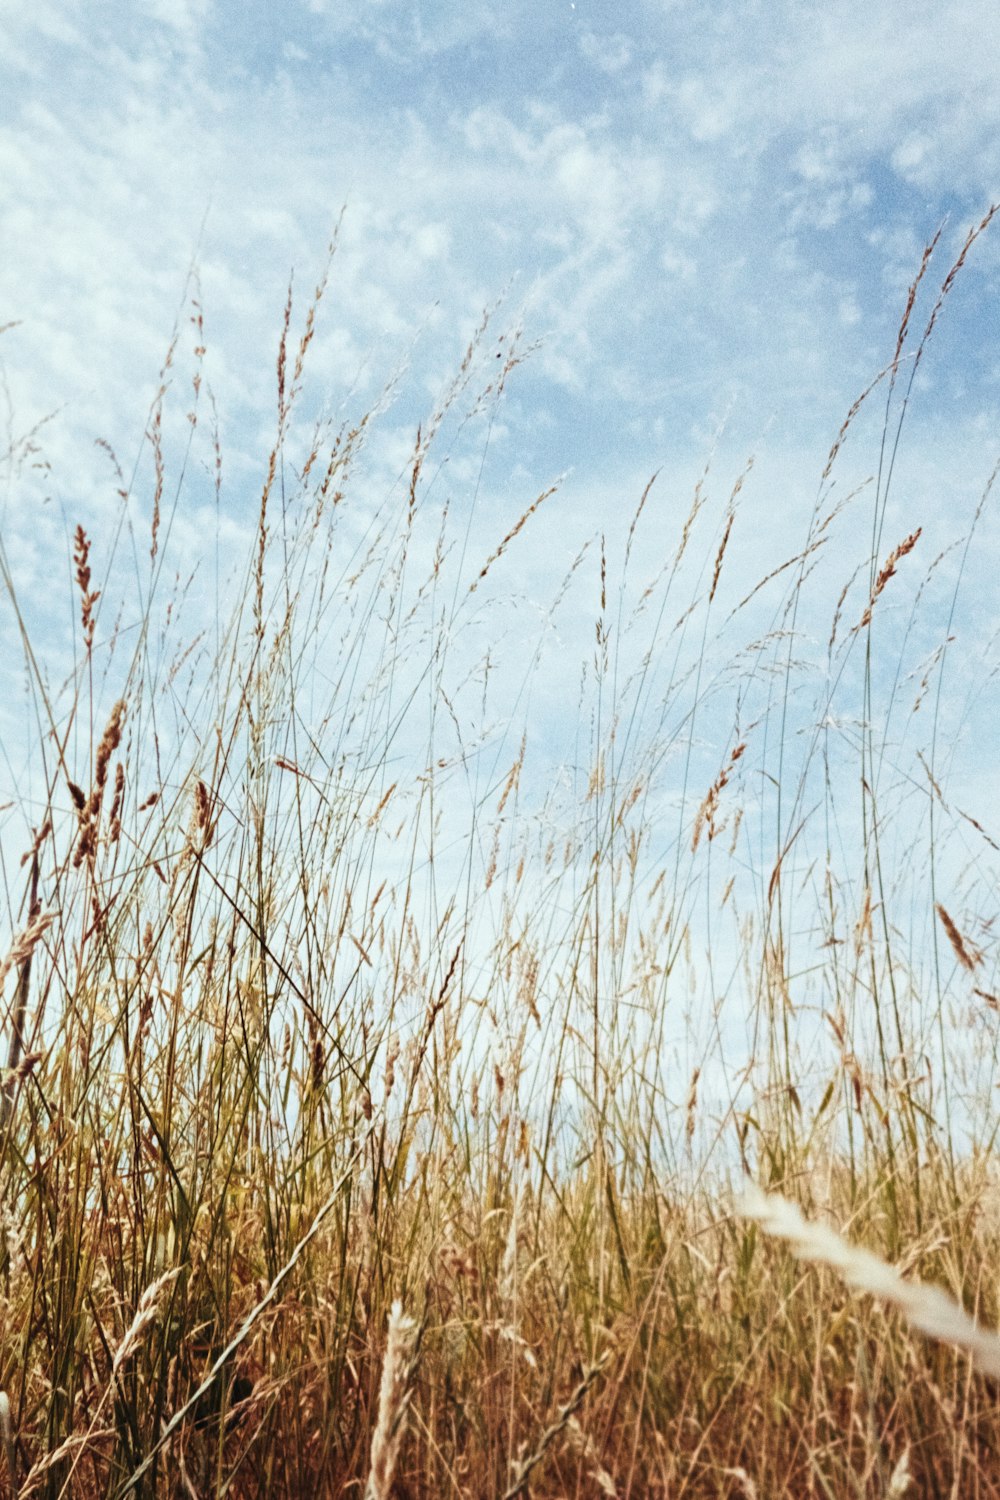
{"points": [[926, 1308], [398, 1365], [328, 994]]}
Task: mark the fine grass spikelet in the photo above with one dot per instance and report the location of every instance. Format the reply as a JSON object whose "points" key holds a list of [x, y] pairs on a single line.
{"points": [[393, 1403], [145, 1314], [7, 1433], [360, 949], [902, 1478], [928, 1309]]}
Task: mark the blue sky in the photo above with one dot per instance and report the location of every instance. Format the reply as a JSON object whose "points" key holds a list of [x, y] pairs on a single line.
{"points": [[702, 212], [700, 204]]}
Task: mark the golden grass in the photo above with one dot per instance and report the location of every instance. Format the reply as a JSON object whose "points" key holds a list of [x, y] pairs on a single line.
{"points": [[393, 1404], [326, 997], [926, 1308]]}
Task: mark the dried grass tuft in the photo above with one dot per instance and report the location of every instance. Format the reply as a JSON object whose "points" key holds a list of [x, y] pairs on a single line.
{"points": [[888, 571], [929, 1309], [26, 942], [7, 1434], [901, 1479], [145, 1314], [966, 956], [393, 1403]]}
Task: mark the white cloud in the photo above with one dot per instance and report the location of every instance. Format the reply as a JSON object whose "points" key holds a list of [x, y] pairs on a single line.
{"points": [[184, 17], [676, 263], [848, 311], [611, 53], [705, 110], [667, 243]]}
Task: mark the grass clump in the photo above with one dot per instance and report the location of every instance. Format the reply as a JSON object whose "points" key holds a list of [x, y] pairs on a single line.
{"points": [[383, 1047]]}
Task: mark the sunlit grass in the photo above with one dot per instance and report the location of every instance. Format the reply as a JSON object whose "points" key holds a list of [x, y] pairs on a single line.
{"points": [[396, 998]]}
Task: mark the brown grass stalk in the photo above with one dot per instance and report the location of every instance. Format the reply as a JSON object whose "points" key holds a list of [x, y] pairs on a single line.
{"points": [[395, 1392], [928, 1309]]}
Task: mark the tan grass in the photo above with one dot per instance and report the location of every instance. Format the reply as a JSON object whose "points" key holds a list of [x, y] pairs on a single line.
{"points": [[887, 571], [25, 942], [960, 946], [395, 1392], [332, 981], [7, 1436], [901, 1479], [146, 1313], [523, 1468], [928, 1309]]}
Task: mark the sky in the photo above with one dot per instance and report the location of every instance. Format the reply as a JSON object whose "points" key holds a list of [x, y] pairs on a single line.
{"points": [[704, 215], [703, 208]]}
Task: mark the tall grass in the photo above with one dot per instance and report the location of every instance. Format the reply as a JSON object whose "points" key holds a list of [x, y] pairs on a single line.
{"points": [[395, 995]]}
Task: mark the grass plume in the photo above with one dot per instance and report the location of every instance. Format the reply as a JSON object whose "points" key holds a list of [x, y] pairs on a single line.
{"points": [[372, 942]]}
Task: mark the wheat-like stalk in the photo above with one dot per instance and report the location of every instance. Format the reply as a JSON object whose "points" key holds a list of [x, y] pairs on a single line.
{"points": [[521, 1470], [929, 1309], [26, 941], [7, 1432], [304, 868], [243, 1332], [582, 1442], [393, 1403], [76, 1444], [901, 1478], [145, 1314]]}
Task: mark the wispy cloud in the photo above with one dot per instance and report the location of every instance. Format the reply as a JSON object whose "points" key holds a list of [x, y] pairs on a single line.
{"points": [[706, 210]]}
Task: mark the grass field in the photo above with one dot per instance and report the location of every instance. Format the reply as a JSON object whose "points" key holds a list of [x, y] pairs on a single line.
{"points": [[384, 1071]]}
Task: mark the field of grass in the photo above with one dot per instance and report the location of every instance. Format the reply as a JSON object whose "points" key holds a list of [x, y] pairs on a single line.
{"points": [[390, 1034]]}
